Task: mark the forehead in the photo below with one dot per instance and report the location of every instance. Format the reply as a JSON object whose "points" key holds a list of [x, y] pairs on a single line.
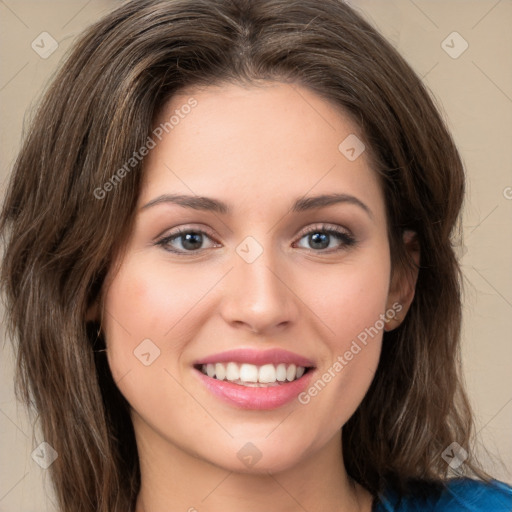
{"points": [[261, 143]]}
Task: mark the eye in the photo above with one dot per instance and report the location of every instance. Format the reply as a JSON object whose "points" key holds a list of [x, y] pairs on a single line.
{"points": [[322, 237], [183, 241]]}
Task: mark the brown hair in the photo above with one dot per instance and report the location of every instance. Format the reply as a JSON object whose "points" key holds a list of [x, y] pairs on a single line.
{"points": [[61, 239]]}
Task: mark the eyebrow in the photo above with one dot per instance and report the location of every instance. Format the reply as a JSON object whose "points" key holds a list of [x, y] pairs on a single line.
{"points": [[215, 205]]}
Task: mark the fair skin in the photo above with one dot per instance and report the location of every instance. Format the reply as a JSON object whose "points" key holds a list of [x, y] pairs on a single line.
{"points": [[257, 149]]}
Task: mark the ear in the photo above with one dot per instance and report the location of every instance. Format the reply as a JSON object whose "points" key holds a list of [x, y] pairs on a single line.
{"points": [[403, 282]]}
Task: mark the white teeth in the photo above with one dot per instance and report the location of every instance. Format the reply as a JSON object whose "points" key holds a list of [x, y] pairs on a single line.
{"points": [[220, 371], [267, 373], [252, 375], [210, 370], [281, 372], [248, 373], [291, 372], [232, 371]]}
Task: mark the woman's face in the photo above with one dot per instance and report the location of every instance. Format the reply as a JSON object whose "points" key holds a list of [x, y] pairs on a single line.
{"points": [[256, 267]]}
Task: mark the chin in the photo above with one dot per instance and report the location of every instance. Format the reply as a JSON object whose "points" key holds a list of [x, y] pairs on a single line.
{"points": [[259, 456]]}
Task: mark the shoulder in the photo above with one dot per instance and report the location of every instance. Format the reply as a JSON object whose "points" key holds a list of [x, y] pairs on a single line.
{"points": [[457, 495], [473, 495]]}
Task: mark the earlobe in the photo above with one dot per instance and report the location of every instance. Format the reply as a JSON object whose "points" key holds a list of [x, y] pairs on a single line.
{"points": [[403, 282]]}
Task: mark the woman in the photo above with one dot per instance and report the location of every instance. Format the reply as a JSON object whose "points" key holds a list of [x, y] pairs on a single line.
{"points": [[229, 268]]}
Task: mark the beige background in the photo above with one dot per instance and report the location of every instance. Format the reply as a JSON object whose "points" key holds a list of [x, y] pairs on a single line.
{"points": [[475, 91]]}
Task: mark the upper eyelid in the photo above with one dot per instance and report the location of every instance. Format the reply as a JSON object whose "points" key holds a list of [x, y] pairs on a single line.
{"points": [[179, 230], [325, 226]]}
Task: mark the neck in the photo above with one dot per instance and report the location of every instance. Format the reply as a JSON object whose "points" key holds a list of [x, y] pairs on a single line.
{"points": [[173, 479]]}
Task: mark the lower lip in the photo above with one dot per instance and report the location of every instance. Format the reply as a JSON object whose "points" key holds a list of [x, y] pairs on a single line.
{"points": [[246, 397]]}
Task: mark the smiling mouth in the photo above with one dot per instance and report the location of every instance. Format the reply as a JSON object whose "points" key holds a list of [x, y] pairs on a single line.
{"points": [[250, 375]]}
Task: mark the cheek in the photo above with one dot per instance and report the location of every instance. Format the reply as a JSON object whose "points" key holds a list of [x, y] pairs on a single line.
{"points": [[145, 300], [143, 307], [350, 297], [351, 302]]}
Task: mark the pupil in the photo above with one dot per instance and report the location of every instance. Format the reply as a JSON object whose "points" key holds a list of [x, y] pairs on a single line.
{"points": [[319, 239], [190, 239]]}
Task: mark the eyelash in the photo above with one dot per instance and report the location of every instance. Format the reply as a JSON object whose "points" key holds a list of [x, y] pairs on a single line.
{"points": [[347, 239]]}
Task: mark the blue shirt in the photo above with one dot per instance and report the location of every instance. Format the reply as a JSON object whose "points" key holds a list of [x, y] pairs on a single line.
{"points": [[460, 495]]}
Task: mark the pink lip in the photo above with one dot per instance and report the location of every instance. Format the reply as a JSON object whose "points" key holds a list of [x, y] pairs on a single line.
{"points": [[256, 398], [257, 357]]}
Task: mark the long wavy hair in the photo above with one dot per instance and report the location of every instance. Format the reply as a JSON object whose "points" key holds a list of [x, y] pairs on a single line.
{"points": [[61, 238]]}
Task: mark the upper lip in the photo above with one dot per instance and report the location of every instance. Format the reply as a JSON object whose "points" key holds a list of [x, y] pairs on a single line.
{"points": [[257, 357]]}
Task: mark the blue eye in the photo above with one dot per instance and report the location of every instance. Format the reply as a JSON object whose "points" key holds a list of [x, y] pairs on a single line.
{"points": [[189, 240], [320, 238]]}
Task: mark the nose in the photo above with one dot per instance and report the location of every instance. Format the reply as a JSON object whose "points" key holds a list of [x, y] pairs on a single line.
{"points": [[259, 296]]}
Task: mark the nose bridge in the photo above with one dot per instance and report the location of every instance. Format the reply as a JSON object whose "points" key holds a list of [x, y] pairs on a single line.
{"points": [[258, 294]]}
